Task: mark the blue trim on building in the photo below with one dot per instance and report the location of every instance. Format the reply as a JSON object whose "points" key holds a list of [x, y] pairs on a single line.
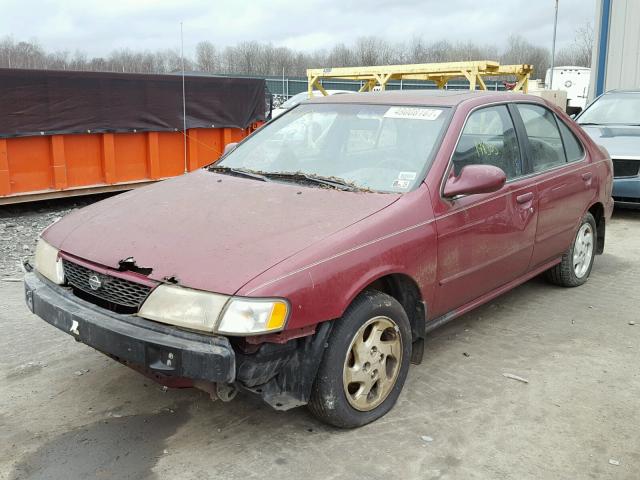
{"points": [[603, 45]]}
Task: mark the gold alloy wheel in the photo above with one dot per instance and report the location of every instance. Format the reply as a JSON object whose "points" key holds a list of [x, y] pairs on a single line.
{"points": [[372, 363]]}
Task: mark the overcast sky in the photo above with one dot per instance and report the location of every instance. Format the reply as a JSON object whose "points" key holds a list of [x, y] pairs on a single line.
{"points": [[97, 27]]}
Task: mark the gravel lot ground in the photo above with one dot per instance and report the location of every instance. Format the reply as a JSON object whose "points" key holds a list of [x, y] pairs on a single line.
{"points": [[21, 224], [68, 412]]}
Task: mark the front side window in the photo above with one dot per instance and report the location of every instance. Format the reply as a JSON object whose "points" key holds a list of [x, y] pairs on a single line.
{"points": [[489, 138], [377, 147], [545, 144]]}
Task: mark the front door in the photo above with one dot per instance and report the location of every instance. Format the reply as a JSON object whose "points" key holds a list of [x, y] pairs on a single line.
{"points": [[485, 240]]}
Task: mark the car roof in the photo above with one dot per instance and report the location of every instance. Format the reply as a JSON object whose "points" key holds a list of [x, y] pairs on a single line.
{"points": [[448, 98], [318, 92], [623, 90]]}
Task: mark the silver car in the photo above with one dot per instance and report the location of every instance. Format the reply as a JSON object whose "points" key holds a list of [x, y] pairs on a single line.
{"points": [[613, 121]]}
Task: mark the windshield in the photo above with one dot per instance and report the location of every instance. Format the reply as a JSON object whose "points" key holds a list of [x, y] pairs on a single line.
{"points": [[613, 108], [377, 147]]}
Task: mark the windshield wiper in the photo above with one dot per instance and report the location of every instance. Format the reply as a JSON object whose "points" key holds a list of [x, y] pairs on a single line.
{"points": [[333, 182], [241, 172]]}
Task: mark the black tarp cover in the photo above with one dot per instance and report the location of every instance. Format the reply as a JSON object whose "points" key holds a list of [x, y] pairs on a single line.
{"points": [[37, 102]]}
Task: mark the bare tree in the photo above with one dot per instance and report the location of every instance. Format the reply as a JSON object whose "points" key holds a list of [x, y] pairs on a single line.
{"points": [[367, 51], [228, 63], [283, 60], [579, 52], [416, 51], [78, 61], [520, 51], [265, 61], [207, 57], [340, 56], [255, 58], [247, 57], [437, 52], [585, 37], [58, 60]]}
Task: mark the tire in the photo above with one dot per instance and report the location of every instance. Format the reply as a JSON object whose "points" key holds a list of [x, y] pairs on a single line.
{"points": [[572, 271], [365, 364]]}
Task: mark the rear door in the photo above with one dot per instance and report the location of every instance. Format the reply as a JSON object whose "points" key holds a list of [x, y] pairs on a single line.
{"points": [[563, 177], [484, 240]]}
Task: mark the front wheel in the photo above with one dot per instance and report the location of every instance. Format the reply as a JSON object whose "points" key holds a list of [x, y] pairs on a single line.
{"points": [[577, 261], [365, 364]]}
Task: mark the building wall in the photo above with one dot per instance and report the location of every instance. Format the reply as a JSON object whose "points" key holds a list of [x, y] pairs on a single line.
{"points": [[616, 52]]}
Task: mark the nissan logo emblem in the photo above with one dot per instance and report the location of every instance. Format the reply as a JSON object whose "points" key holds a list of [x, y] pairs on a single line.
{"points": [[94, 282]]}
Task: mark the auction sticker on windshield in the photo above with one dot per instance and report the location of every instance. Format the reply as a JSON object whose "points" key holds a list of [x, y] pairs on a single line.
{"points": [[407, 176], [413, 113], [402, 184]]}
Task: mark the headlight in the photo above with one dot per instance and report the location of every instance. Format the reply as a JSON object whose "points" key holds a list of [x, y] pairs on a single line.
{"points": [[183, 307], [48, 263], [215, 313], [244, 316]]}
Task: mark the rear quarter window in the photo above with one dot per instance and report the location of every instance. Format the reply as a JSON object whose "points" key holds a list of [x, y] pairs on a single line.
{"points": [[572, 145]]}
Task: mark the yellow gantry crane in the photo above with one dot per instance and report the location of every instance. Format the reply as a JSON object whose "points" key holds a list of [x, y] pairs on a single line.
{"points": [[440, 73]]}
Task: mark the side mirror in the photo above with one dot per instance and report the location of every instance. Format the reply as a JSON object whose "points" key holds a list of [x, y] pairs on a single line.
{"points": [[475, 179], [229, 147]]}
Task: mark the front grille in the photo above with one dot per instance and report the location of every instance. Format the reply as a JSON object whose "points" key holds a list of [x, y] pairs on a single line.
{"points": [[116, 293], [625, 168]]}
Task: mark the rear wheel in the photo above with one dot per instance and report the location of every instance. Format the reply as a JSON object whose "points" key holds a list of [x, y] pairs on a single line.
{"points": [[577, 261], [365, 364]]}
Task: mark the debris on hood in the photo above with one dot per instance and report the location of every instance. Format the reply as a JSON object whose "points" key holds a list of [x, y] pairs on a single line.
{"points": [[129, 265]]}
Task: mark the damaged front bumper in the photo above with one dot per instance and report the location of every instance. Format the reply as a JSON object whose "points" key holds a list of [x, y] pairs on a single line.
{"points": [[281, 374], [160, 349]]}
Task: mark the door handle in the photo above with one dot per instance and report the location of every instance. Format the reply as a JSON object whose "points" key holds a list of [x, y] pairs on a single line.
{"points": [[587, 176], [525, 197]]}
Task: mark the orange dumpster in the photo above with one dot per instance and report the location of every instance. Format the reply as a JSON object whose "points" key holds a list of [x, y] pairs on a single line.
{"points": [[74, 133]]}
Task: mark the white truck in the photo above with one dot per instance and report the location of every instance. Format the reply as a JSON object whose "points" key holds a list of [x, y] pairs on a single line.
{"points": [[574, 81]]}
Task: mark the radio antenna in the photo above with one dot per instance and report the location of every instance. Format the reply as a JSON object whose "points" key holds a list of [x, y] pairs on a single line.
{"points": [[184, 103]]}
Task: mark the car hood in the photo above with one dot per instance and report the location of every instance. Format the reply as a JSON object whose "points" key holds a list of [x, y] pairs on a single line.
{"points": [[210, 231], [620, 141]]}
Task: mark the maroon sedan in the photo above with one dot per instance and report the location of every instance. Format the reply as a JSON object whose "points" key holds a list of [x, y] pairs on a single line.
{"points": [[308, 264]]}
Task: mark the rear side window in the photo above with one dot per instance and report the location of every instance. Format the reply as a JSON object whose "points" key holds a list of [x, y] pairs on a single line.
{"points": [[572, 145], [545, 143], [489, 138]]}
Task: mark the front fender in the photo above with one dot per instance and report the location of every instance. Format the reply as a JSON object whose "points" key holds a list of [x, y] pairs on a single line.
{"points": [[321, 282]]}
